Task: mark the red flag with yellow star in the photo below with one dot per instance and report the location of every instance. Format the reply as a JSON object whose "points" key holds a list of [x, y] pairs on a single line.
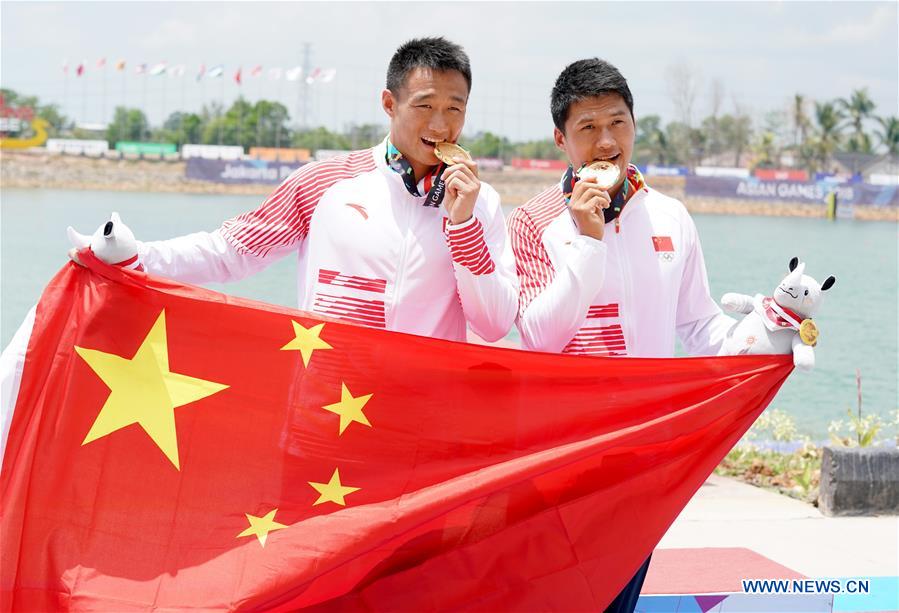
{"points": [[175, 448]]}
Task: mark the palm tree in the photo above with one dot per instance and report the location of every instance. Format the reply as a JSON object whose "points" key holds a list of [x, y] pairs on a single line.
{"points": [[800, 120], [765, 149], [889, 136], [859, 108], [828, 116]]}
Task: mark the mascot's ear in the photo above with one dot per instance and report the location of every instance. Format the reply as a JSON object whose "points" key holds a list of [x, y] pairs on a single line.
{"points": [[828, 283], [793, 264]]}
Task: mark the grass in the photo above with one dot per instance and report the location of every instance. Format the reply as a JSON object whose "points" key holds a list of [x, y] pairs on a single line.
{"points": [[796, 473]]}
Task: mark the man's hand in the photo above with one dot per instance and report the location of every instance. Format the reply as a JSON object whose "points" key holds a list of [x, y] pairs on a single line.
{"points": [[586, 206], [462, 189]]}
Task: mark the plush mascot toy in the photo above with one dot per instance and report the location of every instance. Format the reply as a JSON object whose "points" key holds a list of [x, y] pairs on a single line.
{"points": [[780, 323], [113, 243]]}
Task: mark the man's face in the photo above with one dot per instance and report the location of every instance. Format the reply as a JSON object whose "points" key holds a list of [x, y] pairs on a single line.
{"points": [[599, 128], [428, 109]]}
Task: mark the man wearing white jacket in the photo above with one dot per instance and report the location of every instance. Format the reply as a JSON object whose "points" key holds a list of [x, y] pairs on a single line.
{"points": [[387, 237], [615, 271]]}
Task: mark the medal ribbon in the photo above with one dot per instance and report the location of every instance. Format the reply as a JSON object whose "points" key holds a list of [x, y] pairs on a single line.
{"points": [[434, 186], [631, 186], [782, 316]]}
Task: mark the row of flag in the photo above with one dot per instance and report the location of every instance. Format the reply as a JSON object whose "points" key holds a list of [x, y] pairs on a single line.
{"points": [[316, 75]]}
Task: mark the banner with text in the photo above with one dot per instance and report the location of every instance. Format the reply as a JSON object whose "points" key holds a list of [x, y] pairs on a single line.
{"points": [[791, 191], [239, 171]]}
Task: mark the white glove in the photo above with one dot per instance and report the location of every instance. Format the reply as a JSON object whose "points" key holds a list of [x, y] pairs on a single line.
{"points": [[113, 243]]}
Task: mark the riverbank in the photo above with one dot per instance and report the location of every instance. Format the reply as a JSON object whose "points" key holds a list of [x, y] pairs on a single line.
{"points": [[34, 170]]}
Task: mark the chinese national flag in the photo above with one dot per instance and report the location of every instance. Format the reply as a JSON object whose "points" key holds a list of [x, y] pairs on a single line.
{"points": [[175, 448], [662, 243]]}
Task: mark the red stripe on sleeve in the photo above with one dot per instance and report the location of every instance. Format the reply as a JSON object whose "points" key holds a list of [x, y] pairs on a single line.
{"points": [[283, 219], [469, 249]]}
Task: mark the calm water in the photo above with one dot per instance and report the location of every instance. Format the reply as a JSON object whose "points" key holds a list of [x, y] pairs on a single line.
{"points": [[744, 254]]}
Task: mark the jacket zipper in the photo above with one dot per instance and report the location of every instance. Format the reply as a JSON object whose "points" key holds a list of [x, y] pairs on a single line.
{"points": [[623, 309], [401, 264]]}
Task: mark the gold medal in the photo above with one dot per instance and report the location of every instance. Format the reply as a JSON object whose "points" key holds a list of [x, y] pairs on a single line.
{"points": [[606, 173], [445, 152], [808, 332]]}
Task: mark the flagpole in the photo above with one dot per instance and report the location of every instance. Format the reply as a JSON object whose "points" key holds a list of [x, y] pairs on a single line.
{"points": [[83, 93], [258, 113], [239, 109], [103, 120], [124, 98], [304, 88], [65, 85], [143, 127], [222, 108], [280, 98], [164, 75], [202, 79], [183, 109]]}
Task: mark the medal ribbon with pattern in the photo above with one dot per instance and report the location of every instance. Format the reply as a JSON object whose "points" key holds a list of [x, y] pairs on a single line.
{"points": [[631, 186], [433, 185]]}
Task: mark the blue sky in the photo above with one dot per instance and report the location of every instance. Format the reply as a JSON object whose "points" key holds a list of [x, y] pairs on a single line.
{"points": [[761, 53]]}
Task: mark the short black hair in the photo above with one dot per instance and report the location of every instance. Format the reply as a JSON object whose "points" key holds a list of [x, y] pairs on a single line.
{"points": [[586, 79], [434, 53]]}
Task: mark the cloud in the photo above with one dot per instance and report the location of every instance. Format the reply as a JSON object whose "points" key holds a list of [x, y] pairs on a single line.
{"points": [[859, 31], [169, 33], [880, 20]]}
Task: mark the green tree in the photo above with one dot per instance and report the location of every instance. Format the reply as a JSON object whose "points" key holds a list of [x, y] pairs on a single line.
{"points": [[736, 134], [828, 117], [678, 137], [711, 127], [59, 123], [765, 149], [321, 138], [182, 128], [858, 107], [651, 143], [127, 125], [538, 150], [487, 145], [889, 134], [364, 135], [801, 123], [270, 121]]}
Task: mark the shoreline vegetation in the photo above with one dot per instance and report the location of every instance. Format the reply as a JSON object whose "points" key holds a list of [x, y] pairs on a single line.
{"points": [[31, 170], [773, 455]]}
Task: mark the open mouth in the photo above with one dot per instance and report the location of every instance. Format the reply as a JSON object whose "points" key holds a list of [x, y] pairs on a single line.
{"points": [[613, 159], [431, 142]]}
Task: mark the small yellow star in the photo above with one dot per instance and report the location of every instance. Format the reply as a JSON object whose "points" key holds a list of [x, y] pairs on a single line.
{"points": [[306, 341], [349, 408], [144, 391], [261, 526], [332, 491]]}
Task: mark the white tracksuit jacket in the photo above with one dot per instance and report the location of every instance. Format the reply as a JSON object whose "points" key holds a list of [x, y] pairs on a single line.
{"points": [[626, 295]]}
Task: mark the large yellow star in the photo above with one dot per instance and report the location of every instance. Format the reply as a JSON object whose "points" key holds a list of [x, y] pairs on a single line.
{"points": [[306, 341], [261, 526], [332, 491], [349, 408], [144, 391]]}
